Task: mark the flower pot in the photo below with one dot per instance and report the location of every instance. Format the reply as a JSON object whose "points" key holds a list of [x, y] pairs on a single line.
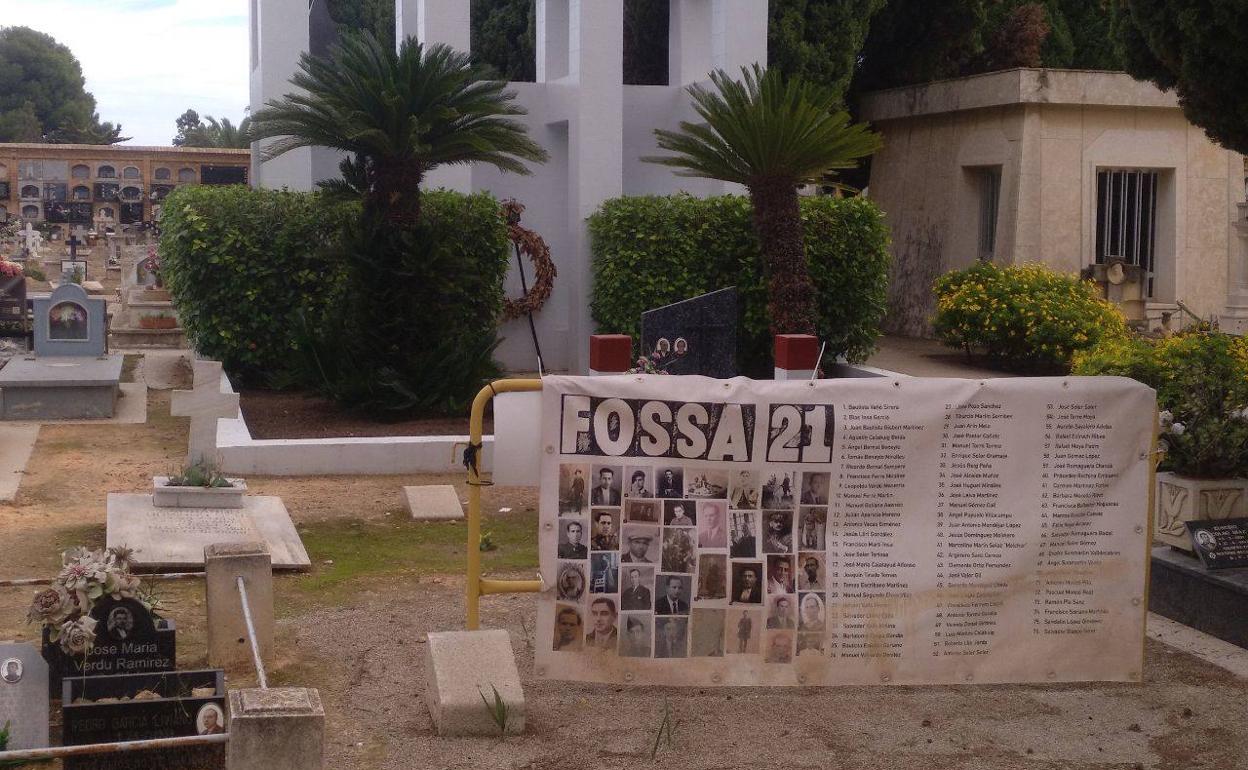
{"points": [[165, 496], [1182, 498]]}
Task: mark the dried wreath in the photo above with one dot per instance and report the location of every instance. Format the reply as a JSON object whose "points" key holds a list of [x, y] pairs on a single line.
{"points": [[531, 245]]}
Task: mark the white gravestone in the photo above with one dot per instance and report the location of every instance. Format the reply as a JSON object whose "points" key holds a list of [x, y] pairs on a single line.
{"points": [[24, 696], [32, 239], [174, 538], [209, 400]]}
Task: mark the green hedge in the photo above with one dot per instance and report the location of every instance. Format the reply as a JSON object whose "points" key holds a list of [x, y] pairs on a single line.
{"points": [[253, 271], [655, 250], [241, 263]]}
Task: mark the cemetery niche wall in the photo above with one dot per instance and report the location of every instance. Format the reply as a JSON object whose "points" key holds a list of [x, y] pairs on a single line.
{"points": [[844, 532]]}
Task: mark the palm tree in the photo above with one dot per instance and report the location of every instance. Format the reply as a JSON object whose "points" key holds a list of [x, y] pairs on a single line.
{"points": [[770, 135], [227, 135], [400, 115]]}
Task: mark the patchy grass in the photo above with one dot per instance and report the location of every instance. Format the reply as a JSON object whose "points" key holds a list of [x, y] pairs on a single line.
{"points": [[129, 363], [363, 550]]}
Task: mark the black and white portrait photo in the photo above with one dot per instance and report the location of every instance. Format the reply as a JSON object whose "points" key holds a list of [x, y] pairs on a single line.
{"points": [[679, 513], [747, 583], [810, 569], [743, 490], [606, 524], [777, 493], [568, 628], [778, 647], [636, 594], [742, 628], [636, 640], [780, 613], [744, 535], [571, 581], [712, 576], [673, 595], [606, 485], [639, 483], [712, 524], [810, 612], [679, 550], [603, 633], [812, 524], [815, 488], [641, 544], [572, 540], [604, 573], [671, 637], [11, 671], [646, 511], [210, 720], [670, 482], [573, 490], [120, 623], [778, 532], [780, 574]]}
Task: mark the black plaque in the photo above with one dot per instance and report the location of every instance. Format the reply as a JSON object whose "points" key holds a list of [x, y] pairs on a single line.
{"points": [[129, 639], [696, 336], [1220, 543], [178, 712]]}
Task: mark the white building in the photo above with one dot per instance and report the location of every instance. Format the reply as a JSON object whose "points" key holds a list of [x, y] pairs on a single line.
{"points": [[595, 128]]}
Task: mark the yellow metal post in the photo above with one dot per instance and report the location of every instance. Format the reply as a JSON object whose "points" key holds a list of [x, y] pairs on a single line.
{"points": [[476, 585]]}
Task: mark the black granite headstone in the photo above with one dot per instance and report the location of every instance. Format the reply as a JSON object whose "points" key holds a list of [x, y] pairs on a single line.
{"points": [[696, 336], [129, 639], [1220, 544], [109, 709]]}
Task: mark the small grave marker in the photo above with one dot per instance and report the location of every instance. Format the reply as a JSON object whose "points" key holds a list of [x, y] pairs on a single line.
{"points": [[696, 336], [436, 502], [24, 696], [129, 639], [1220, 543]]}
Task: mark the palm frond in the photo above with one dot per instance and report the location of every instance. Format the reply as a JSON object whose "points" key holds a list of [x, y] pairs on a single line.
{"points": [[763, 128]]}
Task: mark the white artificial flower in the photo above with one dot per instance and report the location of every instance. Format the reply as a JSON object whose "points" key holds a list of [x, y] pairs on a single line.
{"points": [[1165, 417], [1163, 446], [1242, 413], [1178, 428]]}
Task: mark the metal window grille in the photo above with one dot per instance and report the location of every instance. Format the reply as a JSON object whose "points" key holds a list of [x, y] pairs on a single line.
{"points": [[1126, 219], [989, 204]]}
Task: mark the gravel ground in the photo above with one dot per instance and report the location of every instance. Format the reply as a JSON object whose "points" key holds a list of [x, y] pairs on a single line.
{"points": [[368, 660]]}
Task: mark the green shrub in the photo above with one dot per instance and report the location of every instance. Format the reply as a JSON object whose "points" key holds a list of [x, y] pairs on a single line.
{"points": [[417, 329], [1201, 379], [655, 250], [240, 265], [1023, 316]]}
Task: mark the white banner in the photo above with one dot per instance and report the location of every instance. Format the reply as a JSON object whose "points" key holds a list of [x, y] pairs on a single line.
{"points": [[861, 531]]}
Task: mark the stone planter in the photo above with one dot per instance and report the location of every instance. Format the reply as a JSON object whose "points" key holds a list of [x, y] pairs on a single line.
{"points": [[165, 496], [1180, 499]]}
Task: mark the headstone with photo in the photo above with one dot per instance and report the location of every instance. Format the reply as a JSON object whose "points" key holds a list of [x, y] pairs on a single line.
{"points": [[695, 336], [23, 696], [1220, 543], [70, 323], [132, 707], [129, 639]]}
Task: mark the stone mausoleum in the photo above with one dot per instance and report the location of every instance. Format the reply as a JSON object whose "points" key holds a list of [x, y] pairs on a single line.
{"points": [[1091, 172], [595, 128]]}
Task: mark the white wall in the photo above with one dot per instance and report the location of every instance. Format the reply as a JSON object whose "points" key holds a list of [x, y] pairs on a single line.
{"points": [[595, 129]]}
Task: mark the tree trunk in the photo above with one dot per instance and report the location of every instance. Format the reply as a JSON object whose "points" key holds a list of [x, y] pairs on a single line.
{"points": [[778, 223], [395, 192]]}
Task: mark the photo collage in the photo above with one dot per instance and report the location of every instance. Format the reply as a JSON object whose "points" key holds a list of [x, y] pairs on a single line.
{"points": [[672, 561]]}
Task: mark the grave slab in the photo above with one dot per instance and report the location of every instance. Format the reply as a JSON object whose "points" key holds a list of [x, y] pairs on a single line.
{"points": [[1180, 588], [24, 696], [436, 502], [17, 442], [462, 667], [173, 539], [60, 387], [695, 336]]}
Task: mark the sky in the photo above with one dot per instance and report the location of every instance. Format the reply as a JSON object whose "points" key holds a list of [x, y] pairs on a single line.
{"points": [[148, 61]]}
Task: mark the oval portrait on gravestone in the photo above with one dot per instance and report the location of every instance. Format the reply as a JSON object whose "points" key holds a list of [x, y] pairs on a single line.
{"points": [[120, 620], [210, 720], [11, 671]]}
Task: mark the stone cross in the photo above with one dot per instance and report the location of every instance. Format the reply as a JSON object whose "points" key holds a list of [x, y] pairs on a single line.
{"points": [[209, 400], [73, 244]]}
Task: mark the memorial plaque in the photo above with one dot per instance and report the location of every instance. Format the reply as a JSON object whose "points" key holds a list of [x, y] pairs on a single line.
{"points": [[129, 639], [129, 707], [696, 336], [174, 538], [1220, 543], [857, 531], [24, 696]]}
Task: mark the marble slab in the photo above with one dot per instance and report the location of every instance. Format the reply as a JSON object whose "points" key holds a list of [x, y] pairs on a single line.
{"points": [[435, 502], [173, 539]]}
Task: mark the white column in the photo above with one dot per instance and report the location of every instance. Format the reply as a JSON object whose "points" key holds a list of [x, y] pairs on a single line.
{"points": [[596, 128], [738, 34], [438, 21], [689, 41], [552, 40], [279, 31]]}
